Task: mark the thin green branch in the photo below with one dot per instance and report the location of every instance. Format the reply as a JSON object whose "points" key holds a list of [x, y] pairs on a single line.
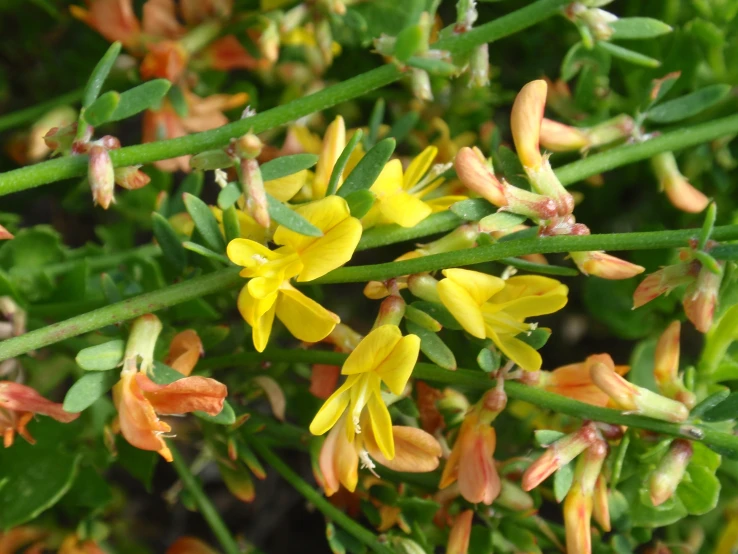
{"points": [[208, 511], [64, 168], [28, 115], [719, 440], [318, 500]]}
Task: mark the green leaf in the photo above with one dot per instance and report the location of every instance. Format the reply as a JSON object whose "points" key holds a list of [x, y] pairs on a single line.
{"points": [[227, 415], [537, 338], [661, 87], [473, 209], [408, 42], [99, 74], [416, 509], [563, 479], [204, 251], [627, 55], [139, 463], [101, 110], [210, 160], [632, 28], [438, 312], [709, 403], [34, 478], [143, 97], [402, 127], [433, 347], [544, 437], [387, 16], [231, 224], [434, 67], [421, 318], [110, 289], [291, 219], [725, 410], [341, 162], [369, 168], [169, 241], [102, 357], [375, 122], [699, 490], [688, 105], [178, 101], [89, 388], [500, 221], [192, 184], [228, 196], [360, 202], [205, 223], [287, 165], [488, 360]]}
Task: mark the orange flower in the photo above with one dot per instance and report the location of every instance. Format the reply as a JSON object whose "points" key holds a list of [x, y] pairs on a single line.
{"points": [[471, 461], [166, 59], [72, 545], [189, 545], [13, 539], [574, 380], [458, 539], [113, 19], [18, 404], [226, 54], [323, 380], [184, 351]]}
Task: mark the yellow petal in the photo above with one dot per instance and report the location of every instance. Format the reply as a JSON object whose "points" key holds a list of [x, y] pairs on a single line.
{"points": [[248, 253], [534, 305], [249, 228], [332, 409], [304, 318], [330, 251], [480, 286], [404, 209], [324, 214], [415, 450], [334, 142], [419, 167], [519, 352], [259, 313], [443, 203], [381, 425], [528, 285], [372, 350], [284, 188], [389, 181], [261, 287], [396, 369], [462, 306]]}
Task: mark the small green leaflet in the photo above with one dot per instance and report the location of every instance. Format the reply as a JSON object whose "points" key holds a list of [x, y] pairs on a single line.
{"points": [[369, 168], [433, 347], [628, 55], [473, 209], [169, 241], [140, 98], [287, 165], [228, 196], [360, 202], [688, 105], [99, 74], [291, 219], [102, 357], [89, 388], [633, 28], [205, 222], [563, 479], [343, 159], [101, 110]]}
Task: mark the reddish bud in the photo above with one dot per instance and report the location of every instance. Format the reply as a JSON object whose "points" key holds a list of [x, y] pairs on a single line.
{"points": [[605, 266], [670, 471], [131, 177], [101, 176]]}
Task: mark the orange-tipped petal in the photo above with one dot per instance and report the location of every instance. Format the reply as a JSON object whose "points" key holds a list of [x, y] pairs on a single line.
{"points": [[525, 122], [189, 545], [21, 398], [184, 351], [183, 396], [605, 266], [458, 539]]}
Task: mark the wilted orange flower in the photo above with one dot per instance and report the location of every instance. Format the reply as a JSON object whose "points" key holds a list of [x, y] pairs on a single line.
{"points": [[12, 540], [18, 404], [574, 380], [189, 545], [73, 545], [184, 351]]}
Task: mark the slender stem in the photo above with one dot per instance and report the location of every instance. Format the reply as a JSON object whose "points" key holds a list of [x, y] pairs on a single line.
{"points": [[481, 254], [206, 507], [27, 115], [97, 263], [624, 155], [721, 441], [389, 234], [63, 168], [121, 311], [314, 497]]}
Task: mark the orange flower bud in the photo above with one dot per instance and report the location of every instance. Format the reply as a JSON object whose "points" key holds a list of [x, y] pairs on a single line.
{"points": [[525, 122], [600, 505], [574, 380], [131, 177], [184, 351], [458, 539], [666, 367], [415, 450], [632, 398], [189, 545], [700, 299], [5, 234], [664, 281], [101, 176], [605, 266], [558, 455], [579, 501], [670, 471], [558, 137], [391, 311], [680, 192], [473, 171]]}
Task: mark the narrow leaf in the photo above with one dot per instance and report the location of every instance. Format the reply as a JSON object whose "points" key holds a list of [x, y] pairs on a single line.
{"points": [[474, 209], [102, 357], [545, 437], [291, 219], [725, 410], [192, 183], [369, 168], [231, 225], [499, 221], [688, 105], [488, 360], [169, 241], [408, 42], [227, 415], [287, 165], [341, 162], [205, 222], [432, 346], [709, 403], [563, 479], [203, 251], [628, 55], [360, 202], [140, 98], [89, 388], [402, 127], [228, 196], [633, 28], [375, 122], [110, 289], [99, 74], [434, 67], [101, 110]]}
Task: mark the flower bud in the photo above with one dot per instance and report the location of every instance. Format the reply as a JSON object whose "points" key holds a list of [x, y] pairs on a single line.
{"points": [[558, 455], [458, 539], [141, 342], [424, 286], [463, 237], [512, 497], [598, 22], [601, 264], [421, 84], [600, 504], [474, 172], [558, 137], [532, 205], [525, 121], [579, 501], [60, 139], [5, 234], [479, 66], [253, 188], [670, 471], [101, 175], [680, 192], [618, 128], [248, 146], [664, 281], [391, 311], [635, 399], [131, 177], [543, 180], [666, 367], [700, 299]]}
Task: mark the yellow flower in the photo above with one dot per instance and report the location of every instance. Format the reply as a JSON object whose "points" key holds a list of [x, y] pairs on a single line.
{"points": [[269, 293], [408, 197], [248, 227], [384, 356], [488, 307]]}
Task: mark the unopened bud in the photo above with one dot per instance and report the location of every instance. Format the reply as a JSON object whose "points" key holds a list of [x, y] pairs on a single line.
{"points": [[101, 175], [535, 206], [131, 177], [562, 225], [109, 141], [605, 266], [670, 471], [558, 455], [461, 238], [60, 139], [492, 404], [474, 172], [664, 281], [512, 497], [458, 539], [635, 399], [391, 311], [453, 405], [253, 188], [558, 137], [666, 367], [421, 85], [525, 121], [598, 22], [700, 299], [612, 130], [601, 505], [5, 234], [544, 181], [248, 146], [424, 286], [141, 342], [479, 66], [680, 192]]}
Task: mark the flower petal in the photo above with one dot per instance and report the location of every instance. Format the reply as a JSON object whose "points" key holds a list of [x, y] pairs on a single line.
{"points": [[531, 306], [184, 351], [528, 285], [284, 188], [334, 141], [389, 181], [462, 306], [137, 418], [259, 313], [304, 318], [185, 395], [419, 167], [480, 286], [332, 250], [516, 350], [415, 450], [21, 398], [248, 253], [324, 214], [372, 350], [396, 369], [403, 208], [381, 425], [332, 409]]}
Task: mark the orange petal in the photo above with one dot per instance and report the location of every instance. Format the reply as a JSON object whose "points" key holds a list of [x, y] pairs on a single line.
{"points": [[189, 545], [183, 396], [184, 351], [14, 396]]}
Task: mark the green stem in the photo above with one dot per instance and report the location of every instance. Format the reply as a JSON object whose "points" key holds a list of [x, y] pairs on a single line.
{"points": [[29, 115], [97, 263], [206, 507], [318, 500], [548, 245], [64, 168], [721, 441], [629, 153], [121, 311]]}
